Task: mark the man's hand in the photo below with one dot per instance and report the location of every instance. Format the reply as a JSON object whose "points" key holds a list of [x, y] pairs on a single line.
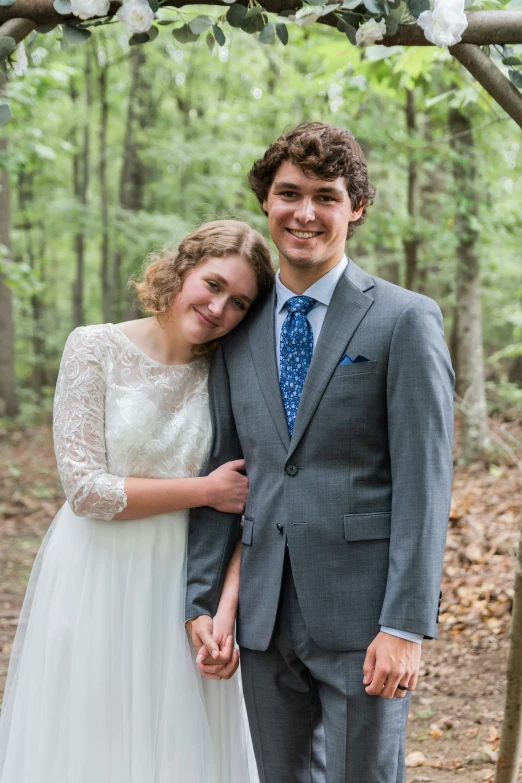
{"points": [[200, 631], [216, 658], [390, 662]]}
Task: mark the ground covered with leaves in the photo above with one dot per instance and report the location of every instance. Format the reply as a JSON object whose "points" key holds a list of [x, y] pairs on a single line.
{"points": [[456, 714]]}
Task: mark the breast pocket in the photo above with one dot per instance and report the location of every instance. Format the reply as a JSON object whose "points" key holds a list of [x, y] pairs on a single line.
{"points": [[353, 370]]}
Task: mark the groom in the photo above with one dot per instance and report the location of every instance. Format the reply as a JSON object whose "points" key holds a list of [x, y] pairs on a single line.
{"points": [[337, 391]]}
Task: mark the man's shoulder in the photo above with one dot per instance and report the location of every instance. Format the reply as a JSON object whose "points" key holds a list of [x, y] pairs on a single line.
{"points": [[398, 299]]}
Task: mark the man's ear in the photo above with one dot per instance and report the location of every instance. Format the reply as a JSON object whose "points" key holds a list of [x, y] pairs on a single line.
{"points": [[265, 206], [356, 214]]}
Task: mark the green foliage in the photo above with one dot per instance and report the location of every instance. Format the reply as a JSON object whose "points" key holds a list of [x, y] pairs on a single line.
{"points": [[208, 116]]}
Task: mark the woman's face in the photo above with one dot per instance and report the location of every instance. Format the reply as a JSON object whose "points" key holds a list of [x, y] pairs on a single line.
{"points": [[216, 295]]}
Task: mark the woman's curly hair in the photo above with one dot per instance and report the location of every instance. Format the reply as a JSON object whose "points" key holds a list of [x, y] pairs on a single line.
{"points": [[322, 151], [167, 268]]}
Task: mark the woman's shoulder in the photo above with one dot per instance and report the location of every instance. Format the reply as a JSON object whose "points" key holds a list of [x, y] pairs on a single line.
{"points": [[93, 339]]}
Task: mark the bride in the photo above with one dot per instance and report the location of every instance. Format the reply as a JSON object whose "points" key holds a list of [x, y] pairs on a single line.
{"points": [[103, 686]]}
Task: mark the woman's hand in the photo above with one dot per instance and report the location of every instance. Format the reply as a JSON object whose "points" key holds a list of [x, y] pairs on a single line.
{"points": [[228, 488]]}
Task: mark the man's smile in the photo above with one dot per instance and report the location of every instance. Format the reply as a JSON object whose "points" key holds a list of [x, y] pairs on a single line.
{"points": [[303, 234]]}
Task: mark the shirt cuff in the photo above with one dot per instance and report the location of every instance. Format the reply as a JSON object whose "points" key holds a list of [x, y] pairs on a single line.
{"points": [[410, 637]]}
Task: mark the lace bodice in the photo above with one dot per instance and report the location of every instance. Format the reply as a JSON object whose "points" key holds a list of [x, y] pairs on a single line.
{"points": [[118, 413]]}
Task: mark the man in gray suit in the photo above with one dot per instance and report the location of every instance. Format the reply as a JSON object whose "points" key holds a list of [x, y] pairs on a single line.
{"points": [[337, 391]]}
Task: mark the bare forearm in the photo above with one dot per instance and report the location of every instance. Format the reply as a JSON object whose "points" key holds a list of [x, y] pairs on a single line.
{"points": [[147, 497], [230, 592]]}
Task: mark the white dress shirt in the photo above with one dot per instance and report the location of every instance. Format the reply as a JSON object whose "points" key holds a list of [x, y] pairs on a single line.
{"points": [[322, 291]]}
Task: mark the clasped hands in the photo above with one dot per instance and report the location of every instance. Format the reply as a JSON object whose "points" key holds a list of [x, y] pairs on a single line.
{"points": [[390, 661], [213, 640]]}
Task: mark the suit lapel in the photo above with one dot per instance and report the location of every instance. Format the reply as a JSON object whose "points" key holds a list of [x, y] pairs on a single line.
{"points": [[261, 337], [347, 308]]}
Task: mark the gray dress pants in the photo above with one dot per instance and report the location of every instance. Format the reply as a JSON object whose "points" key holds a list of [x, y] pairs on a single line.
{"points": [[310, 717]]}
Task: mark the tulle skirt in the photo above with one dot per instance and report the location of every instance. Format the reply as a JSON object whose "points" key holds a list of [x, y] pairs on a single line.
{"points": [[102, 684]]}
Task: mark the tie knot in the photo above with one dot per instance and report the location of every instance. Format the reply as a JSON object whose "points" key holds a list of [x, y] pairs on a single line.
{"points": [[300, 304]]}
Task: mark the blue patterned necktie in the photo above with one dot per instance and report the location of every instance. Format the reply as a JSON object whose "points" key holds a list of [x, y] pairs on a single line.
{"points": [[297, 346]]}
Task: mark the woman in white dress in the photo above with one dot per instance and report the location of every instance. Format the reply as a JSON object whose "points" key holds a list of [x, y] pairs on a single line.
{"points": [[103, 686]]}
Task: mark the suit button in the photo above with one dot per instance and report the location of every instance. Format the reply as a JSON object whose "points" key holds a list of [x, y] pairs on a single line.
{"points": [[280, 527], [291, 470]]}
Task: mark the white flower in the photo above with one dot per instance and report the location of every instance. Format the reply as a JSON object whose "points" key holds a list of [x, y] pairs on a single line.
{"points": [[19, 60], [370, 32], [86, 9], [136, 15], [445, 24], [309, 14]]}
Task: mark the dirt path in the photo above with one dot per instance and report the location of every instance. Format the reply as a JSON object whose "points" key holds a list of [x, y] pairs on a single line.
{"points": [[456, 711]]}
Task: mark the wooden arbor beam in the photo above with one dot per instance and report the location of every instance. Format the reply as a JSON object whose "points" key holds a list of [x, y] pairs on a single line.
{"points": [[488, 75], [484, 28]]}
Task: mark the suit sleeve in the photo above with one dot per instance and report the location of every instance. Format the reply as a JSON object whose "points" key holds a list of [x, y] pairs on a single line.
{"points": [[420, 430], [212, 534]]}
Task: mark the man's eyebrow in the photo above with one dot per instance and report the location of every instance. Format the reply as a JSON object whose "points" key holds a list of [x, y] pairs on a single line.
{"points": [[322, 189], [225, 282]]}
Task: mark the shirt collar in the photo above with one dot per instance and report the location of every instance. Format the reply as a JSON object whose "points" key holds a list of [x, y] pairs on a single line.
{"points": [[322, 290]]}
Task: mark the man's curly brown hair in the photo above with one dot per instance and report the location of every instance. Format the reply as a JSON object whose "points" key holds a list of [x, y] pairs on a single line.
{"points": [[322, 151]]}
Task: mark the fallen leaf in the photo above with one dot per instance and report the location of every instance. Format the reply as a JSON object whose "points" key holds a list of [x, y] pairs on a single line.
{"points": [[415, 759]]}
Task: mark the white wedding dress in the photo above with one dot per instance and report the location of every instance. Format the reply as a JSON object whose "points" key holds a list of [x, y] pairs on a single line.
{"points": [[102, 685]]}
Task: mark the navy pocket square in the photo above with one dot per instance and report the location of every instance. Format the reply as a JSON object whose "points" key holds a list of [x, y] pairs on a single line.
{"points": [[348, 360]]}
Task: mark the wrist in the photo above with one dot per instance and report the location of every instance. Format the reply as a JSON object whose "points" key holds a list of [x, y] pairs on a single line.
{"points": [[227, 605], [205, 491]]}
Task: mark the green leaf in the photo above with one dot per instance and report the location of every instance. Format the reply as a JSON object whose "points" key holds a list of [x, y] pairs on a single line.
{"points": [[210, 42], [316, 2], [350, 18], [286, 13], [45, 28], [5, 3], [142, 38], [512, 61], [373, 6], [154, 5], [7, 44], [416, 7], [5, 114], [282, 32], [516, 78], [165, 22], [348, 30], [200, 24], [62, 7], [351, 4], [72, 36], [392, 25], [268, 33], [184, 34], [236, 15], [219, 35], [138, 38], [254, 21]]}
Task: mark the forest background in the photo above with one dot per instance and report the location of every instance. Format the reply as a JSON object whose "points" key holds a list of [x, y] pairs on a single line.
{"points": [[113, 151]]}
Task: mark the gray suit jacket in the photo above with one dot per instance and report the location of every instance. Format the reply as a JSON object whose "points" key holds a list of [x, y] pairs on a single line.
{"points": [[361, 491]]}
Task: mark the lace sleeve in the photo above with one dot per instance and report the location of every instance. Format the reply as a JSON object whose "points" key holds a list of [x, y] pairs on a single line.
{"points": [[79, 429]]}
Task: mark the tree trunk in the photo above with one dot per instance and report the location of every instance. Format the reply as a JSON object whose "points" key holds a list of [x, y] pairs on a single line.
{"points": [[106, 277], [34, 259], [8, 396], [133, 177], [511, 740], [411, 242], [470, 357], [81, 182]]}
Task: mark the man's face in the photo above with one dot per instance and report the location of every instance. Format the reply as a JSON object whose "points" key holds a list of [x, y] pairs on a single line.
{"points": [[308, 217]]}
